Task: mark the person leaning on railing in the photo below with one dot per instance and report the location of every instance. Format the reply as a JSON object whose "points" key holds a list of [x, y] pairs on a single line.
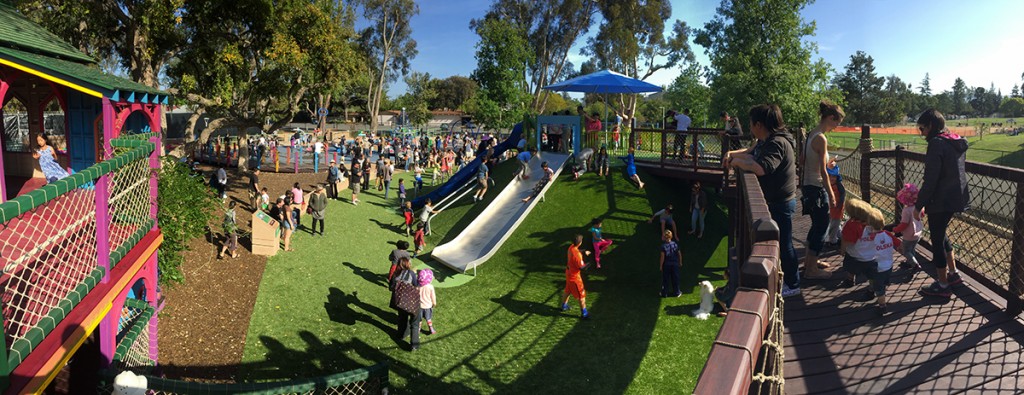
{"points": [[773, 160], [943, 193]]}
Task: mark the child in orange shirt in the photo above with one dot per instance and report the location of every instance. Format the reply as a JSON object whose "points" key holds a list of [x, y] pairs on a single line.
{"points": [[573, 279]]}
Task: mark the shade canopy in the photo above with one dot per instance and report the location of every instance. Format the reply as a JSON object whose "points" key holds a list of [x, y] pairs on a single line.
{"points": [[605, 81]]}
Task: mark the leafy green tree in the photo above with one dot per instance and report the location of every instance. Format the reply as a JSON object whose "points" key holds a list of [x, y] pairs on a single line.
{"points": [[1012, 107], [452, 92], [688, 91], [651, 110], [959, 96], [760, 54], [502, 56], [632, 41], [388, 44], [926, 86], [551, 29], [897, 100], [862, 90], [185, 207], [255, 60], [420, 93], [141, 36], [1016, 91]]}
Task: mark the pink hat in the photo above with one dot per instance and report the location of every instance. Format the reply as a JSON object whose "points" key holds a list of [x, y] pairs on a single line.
{"points": [[908, 195], [426, 276]]}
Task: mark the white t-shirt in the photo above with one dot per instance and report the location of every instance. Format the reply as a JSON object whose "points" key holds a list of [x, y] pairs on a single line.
{"points": [[425, 214], [683, 122], [318, 147]]}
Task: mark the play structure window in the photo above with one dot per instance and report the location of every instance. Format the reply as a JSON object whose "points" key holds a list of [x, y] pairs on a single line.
{"points": [[53, 126], [16, 134]]}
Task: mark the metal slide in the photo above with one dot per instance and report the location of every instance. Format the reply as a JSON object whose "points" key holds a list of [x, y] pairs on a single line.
{"points": [[482, 238]]}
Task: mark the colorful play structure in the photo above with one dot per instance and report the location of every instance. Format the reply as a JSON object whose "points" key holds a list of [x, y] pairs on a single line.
{"points": [[79, 254], [78, 291]]}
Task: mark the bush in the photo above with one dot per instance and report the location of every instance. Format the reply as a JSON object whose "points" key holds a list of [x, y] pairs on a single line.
{"points": [[186, 205]]}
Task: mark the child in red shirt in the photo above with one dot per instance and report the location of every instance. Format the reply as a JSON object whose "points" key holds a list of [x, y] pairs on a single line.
{"points": [[418, 239], [408, 214], [867, 250]]}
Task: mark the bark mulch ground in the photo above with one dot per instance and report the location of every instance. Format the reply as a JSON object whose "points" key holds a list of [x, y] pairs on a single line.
{"points": [[204, 324]]}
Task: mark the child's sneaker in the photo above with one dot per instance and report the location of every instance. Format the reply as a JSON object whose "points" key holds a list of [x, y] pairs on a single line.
{"points": [[585, 315], [936, 289], [432, 331], [954, 278], [565, 307], [881, 310]]}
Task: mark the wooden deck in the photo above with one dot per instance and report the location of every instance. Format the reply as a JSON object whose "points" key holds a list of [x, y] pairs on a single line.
{"points": [[835, 343]]}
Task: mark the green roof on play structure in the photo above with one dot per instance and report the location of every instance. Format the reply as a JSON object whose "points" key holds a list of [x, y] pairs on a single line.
{"points": [[31, 46], [17, 31]]}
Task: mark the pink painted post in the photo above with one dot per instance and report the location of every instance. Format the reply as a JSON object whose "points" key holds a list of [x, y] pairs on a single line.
{"points": [[335, 156], [3, 179], [108, 330], [154, 161], [154, 298]]}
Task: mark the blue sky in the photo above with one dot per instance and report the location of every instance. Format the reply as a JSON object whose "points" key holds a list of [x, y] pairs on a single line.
{"points": [[973, 40]]}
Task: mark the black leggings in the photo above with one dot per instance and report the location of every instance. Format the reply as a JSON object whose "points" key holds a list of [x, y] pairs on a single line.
{"points": [[316, 221], [938, 223]]}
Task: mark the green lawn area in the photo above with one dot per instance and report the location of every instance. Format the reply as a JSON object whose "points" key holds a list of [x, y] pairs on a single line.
{"points": [[999, 149], [323, 308]]}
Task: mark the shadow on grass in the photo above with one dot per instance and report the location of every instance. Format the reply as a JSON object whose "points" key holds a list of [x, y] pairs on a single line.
{"points": [[370, 276]]}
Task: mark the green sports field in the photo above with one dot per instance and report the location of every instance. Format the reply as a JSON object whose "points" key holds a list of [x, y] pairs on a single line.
{"points": [[323, 308]]}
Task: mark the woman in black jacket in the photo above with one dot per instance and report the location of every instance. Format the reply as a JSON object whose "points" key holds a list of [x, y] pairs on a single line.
{"points": [[944, 192]]}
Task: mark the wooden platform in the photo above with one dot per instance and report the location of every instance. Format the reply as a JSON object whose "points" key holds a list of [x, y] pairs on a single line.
{"points": [[837, 344]]}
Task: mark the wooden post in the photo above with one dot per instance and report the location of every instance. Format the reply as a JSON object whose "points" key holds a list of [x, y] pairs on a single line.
{"points": [[1016, 286], [900, 169], [664, 140], [865, 163], [696, 152]]}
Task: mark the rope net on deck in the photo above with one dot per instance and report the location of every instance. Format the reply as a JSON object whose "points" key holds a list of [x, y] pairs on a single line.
{"points": [[130, 204], [768, 377], [46, 253], [50, 241], [133, 338]]}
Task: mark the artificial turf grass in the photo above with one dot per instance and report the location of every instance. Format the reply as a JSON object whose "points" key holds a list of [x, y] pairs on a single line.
{"points": [[323, 308]]}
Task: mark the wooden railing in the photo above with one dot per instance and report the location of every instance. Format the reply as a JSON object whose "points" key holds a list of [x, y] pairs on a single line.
{"points": [[754, 319], [696, 148]]}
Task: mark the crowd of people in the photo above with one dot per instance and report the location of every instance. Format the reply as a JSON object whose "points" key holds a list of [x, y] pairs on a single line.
{"points": [[867, 243]]}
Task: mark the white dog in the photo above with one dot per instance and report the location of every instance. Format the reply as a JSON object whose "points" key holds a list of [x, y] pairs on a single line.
{"points": [[707, 301]]}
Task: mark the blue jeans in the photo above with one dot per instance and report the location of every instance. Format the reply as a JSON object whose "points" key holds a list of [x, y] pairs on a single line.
{"points": [[387, 188], [698, 215], [815, 201], [782, 214], [316, 162]]}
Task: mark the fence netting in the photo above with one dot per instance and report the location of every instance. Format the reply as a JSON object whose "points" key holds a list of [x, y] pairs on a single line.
{"points": [[982, 237], [369, 380], [46, 253]]}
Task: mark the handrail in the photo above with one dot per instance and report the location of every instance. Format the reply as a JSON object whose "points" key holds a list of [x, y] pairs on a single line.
{"points": [[457, 197], [755, 313]]}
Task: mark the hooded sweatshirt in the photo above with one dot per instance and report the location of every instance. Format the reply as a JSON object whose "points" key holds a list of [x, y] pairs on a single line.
{"points": [[944, 189], [776, 155]]}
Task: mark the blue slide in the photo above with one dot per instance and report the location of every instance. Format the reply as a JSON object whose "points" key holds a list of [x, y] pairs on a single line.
{"points": [[469, 171]]}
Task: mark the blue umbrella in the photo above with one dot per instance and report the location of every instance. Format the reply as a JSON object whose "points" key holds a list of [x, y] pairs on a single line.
{"points": [[605, 81]]}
